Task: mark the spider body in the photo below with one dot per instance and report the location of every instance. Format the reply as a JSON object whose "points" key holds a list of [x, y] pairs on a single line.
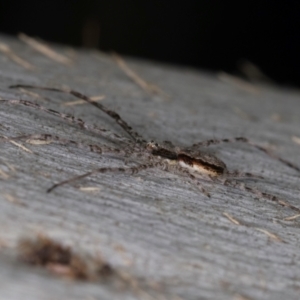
{"points": [[188, 161], [198, 162]]}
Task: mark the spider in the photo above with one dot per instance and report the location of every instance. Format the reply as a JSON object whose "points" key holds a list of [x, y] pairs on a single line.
{"points": [[191, 161]]}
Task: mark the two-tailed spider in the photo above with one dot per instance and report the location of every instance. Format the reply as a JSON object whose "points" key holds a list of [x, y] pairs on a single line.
{"points": [[196, 165]]}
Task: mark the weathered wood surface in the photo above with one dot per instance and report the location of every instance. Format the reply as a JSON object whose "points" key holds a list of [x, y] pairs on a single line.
{"points": [[170, 238]]}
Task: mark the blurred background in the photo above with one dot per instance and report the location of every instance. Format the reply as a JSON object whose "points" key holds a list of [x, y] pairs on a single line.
{"points": [[258, 40]]}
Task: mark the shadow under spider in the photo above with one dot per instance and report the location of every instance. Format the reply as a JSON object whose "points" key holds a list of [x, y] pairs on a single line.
{"points": [[191, 161]]}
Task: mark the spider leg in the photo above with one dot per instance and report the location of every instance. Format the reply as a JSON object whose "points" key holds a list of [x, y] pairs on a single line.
{"points": [[129, 170], [77, 121], [217, 141], [245, 140], [37, 139], [133, 134], [242, 175], [273, 155], [261, 194], [190, 178]]}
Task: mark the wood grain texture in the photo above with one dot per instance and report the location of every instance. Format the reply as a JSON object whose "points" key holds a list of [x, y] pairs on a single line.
{"points": [[174, 242]]}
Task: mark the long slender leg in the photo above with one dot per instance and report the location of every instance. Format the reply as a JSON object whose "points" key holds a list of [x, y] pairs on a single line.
{"points": [[71, 119], [129, 170], [242, 175], [261, 194], [190, 178], [194, 180], [244, 140], [45, 138], [218, 141], [134, 135]]}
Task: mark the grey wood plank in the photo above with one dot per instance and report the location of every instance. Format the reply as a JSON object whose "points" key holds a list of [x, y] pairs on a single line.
{"points": [[154, 225]]}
